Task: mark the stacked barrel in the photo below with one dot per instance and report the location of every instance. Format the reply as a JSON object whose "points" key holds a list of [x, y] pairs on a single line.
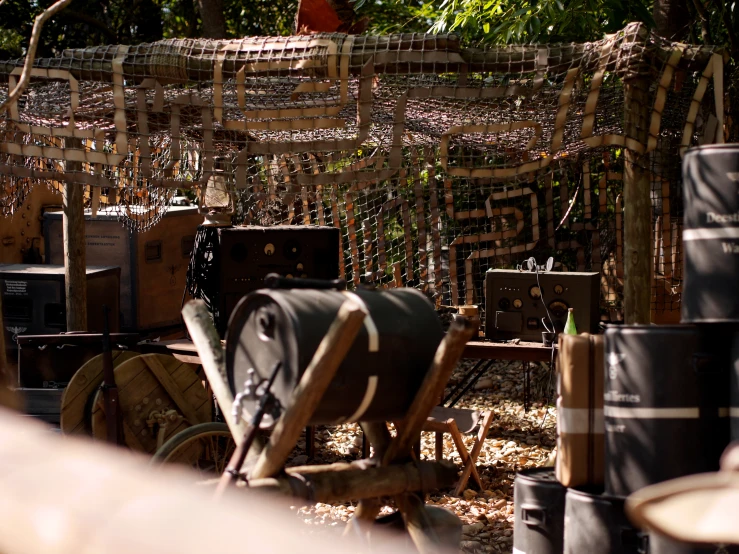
{"points": [[670, 393]]}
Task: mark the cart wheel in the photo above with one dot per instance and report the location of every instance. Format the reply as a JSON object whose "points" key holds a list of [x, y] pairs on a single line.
{"points": [[206, 447]]}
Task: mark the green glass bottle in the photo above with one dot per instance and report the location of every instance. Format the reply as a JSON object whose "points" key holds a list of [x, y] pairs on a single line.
{"points": [[570, 328]]}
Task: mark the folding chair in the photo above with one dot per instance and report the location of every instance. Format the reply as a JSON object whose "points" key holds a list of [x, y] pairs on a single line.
{"points": [[457, 421]]}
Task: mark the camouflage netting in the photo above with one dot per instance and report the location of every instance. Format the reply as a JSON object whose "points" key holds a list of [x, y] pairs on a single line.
{"points": [[437, 161]]}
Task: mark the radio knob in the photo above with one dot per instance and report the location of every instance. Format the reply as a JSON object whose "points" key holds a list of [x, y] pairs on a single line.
{"points": [[558, 289], [504, 304]]}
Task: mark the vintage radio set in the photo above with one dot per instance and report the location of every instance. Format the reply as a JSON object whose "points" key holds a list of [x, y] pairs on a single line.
{"points": [[153, 263], [34, 303], [516, 303], [248, 254]]}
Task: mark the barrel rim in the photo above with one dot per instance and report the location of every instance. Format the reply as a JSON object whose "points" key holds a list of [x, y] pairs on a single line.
{"points": [[584, 492], [535, 471], [710, 320], [687, 327], [705, 147]]}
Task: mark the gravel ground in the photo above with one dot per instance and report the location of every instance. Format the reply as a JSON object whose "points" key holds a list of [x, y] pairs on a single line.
{"points": [[516, 441]]}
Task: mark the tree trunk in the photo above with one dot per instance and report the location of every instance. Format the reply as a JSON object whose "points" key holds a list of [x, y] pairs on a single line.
{"points": [[214, 22], [672, 18]]}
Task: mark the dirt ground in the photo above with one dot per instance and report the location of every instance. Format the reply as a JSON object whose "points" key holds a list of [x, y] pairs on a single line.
{"points": [[516, 441]]}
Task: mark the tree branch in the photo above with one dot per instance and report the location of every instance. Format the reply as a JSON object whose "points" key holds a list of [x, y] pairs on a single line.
{"points": [[721, 6], [48, 13], [705, 31]]}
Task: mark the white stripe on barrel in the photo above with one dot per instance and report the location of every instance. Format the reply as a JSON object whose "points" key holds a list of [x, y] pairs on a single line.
{"points": [[711, 233], [620, 412], [372, 334]]}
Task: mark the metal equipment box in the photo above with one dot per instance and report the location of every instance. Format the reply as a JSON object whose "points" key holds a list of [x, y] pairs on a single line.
{"points": [[34, 302], [248, 254], [153, 264], [515, 304]]}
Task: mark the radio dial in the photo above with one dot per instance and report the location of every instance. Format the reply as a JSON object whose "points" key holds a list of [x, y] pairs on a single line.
{"points": [[558, 308], [518, 303]]}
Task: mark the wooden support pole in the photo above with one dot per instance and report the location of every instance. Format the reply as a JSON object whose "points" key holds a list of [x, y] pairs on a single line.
{"points": [[73, 233], [309, 392], [637, 206], [345, 482], [208, 343]]}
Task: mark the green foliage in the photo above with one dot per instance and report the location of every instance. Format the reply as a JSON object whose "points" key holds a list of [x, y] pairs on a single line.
{"points": [[526, 21], [259, 17], [91, 22]]}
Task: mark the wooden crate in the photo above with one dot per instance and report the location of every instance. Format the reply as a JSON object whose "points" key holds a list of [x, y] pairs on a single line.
{"points": [[153, 264]]}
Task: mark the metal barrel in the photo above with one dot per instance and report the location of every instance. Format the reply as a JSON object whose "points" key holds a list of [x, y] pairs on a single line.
{"points": [[596, 522], [659, 544], [711, 234], [381, 373], [665, 405], [539, 505], [734, 388]]}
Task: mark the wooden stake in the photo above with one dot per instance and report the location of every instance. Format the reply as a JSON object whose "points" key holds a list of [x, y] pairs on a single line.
{"points": [[205, 337], [345, 482], [637, 207], [308, 393], [73, 232]]}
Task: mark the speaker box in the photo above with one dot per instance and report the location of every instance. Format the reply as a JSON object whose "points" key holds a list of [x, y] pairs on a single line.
{"points": [[248, 254], [515, 304]]}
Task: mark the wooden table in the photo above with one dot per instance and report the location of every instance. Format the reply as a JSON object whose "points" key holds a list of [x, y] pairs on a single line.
{"points": [[488, 351], [182, 349], [484, 351]]}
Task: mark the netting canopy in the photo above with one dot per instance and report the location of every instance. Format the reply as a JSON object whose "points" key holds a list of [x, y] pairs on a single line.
{"points": [[437, 161]]}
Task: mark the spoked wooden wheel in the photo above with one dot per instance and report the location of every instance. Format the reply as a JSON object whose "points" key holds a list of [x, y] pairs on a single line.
{"points": [[206, 447]]}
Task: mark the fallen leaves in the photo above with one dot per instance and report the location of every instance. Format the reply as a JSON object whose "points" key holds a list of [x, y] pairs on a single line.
{"points": [[516, 441]]}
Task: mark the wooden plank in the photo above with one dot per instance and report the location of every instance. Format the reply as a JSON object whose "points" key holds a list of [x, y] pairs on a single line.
{"points": [[171, 387], [143, 393], [83, 384], [205, 337], [73, 236]]}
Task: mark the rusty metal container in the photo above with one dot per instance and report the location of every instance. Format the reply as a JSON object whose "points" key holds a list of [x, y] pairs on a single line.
{"points": [[666, 393], [380, 375], [711, 234], [539, 506]]}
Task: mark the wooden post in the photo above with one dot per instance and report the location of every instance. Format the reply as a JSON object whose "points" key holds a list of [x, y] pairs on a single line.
{"points": [[343, 482], [637, 206], [208, 343], [73, 229], [308, 393]]}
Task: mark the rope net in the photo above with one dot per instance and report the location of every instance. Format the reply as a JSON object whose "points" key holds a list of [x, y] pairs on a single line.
{"points": [[437, 162]]}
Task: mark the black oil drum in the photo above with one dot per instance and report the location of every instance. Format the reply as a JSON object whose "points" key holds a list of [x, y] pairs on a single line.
{"points": [[539, 505], [596, 523], [734, 388], [711, 234], [659, 544], [665, 403], [382, 371]]}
